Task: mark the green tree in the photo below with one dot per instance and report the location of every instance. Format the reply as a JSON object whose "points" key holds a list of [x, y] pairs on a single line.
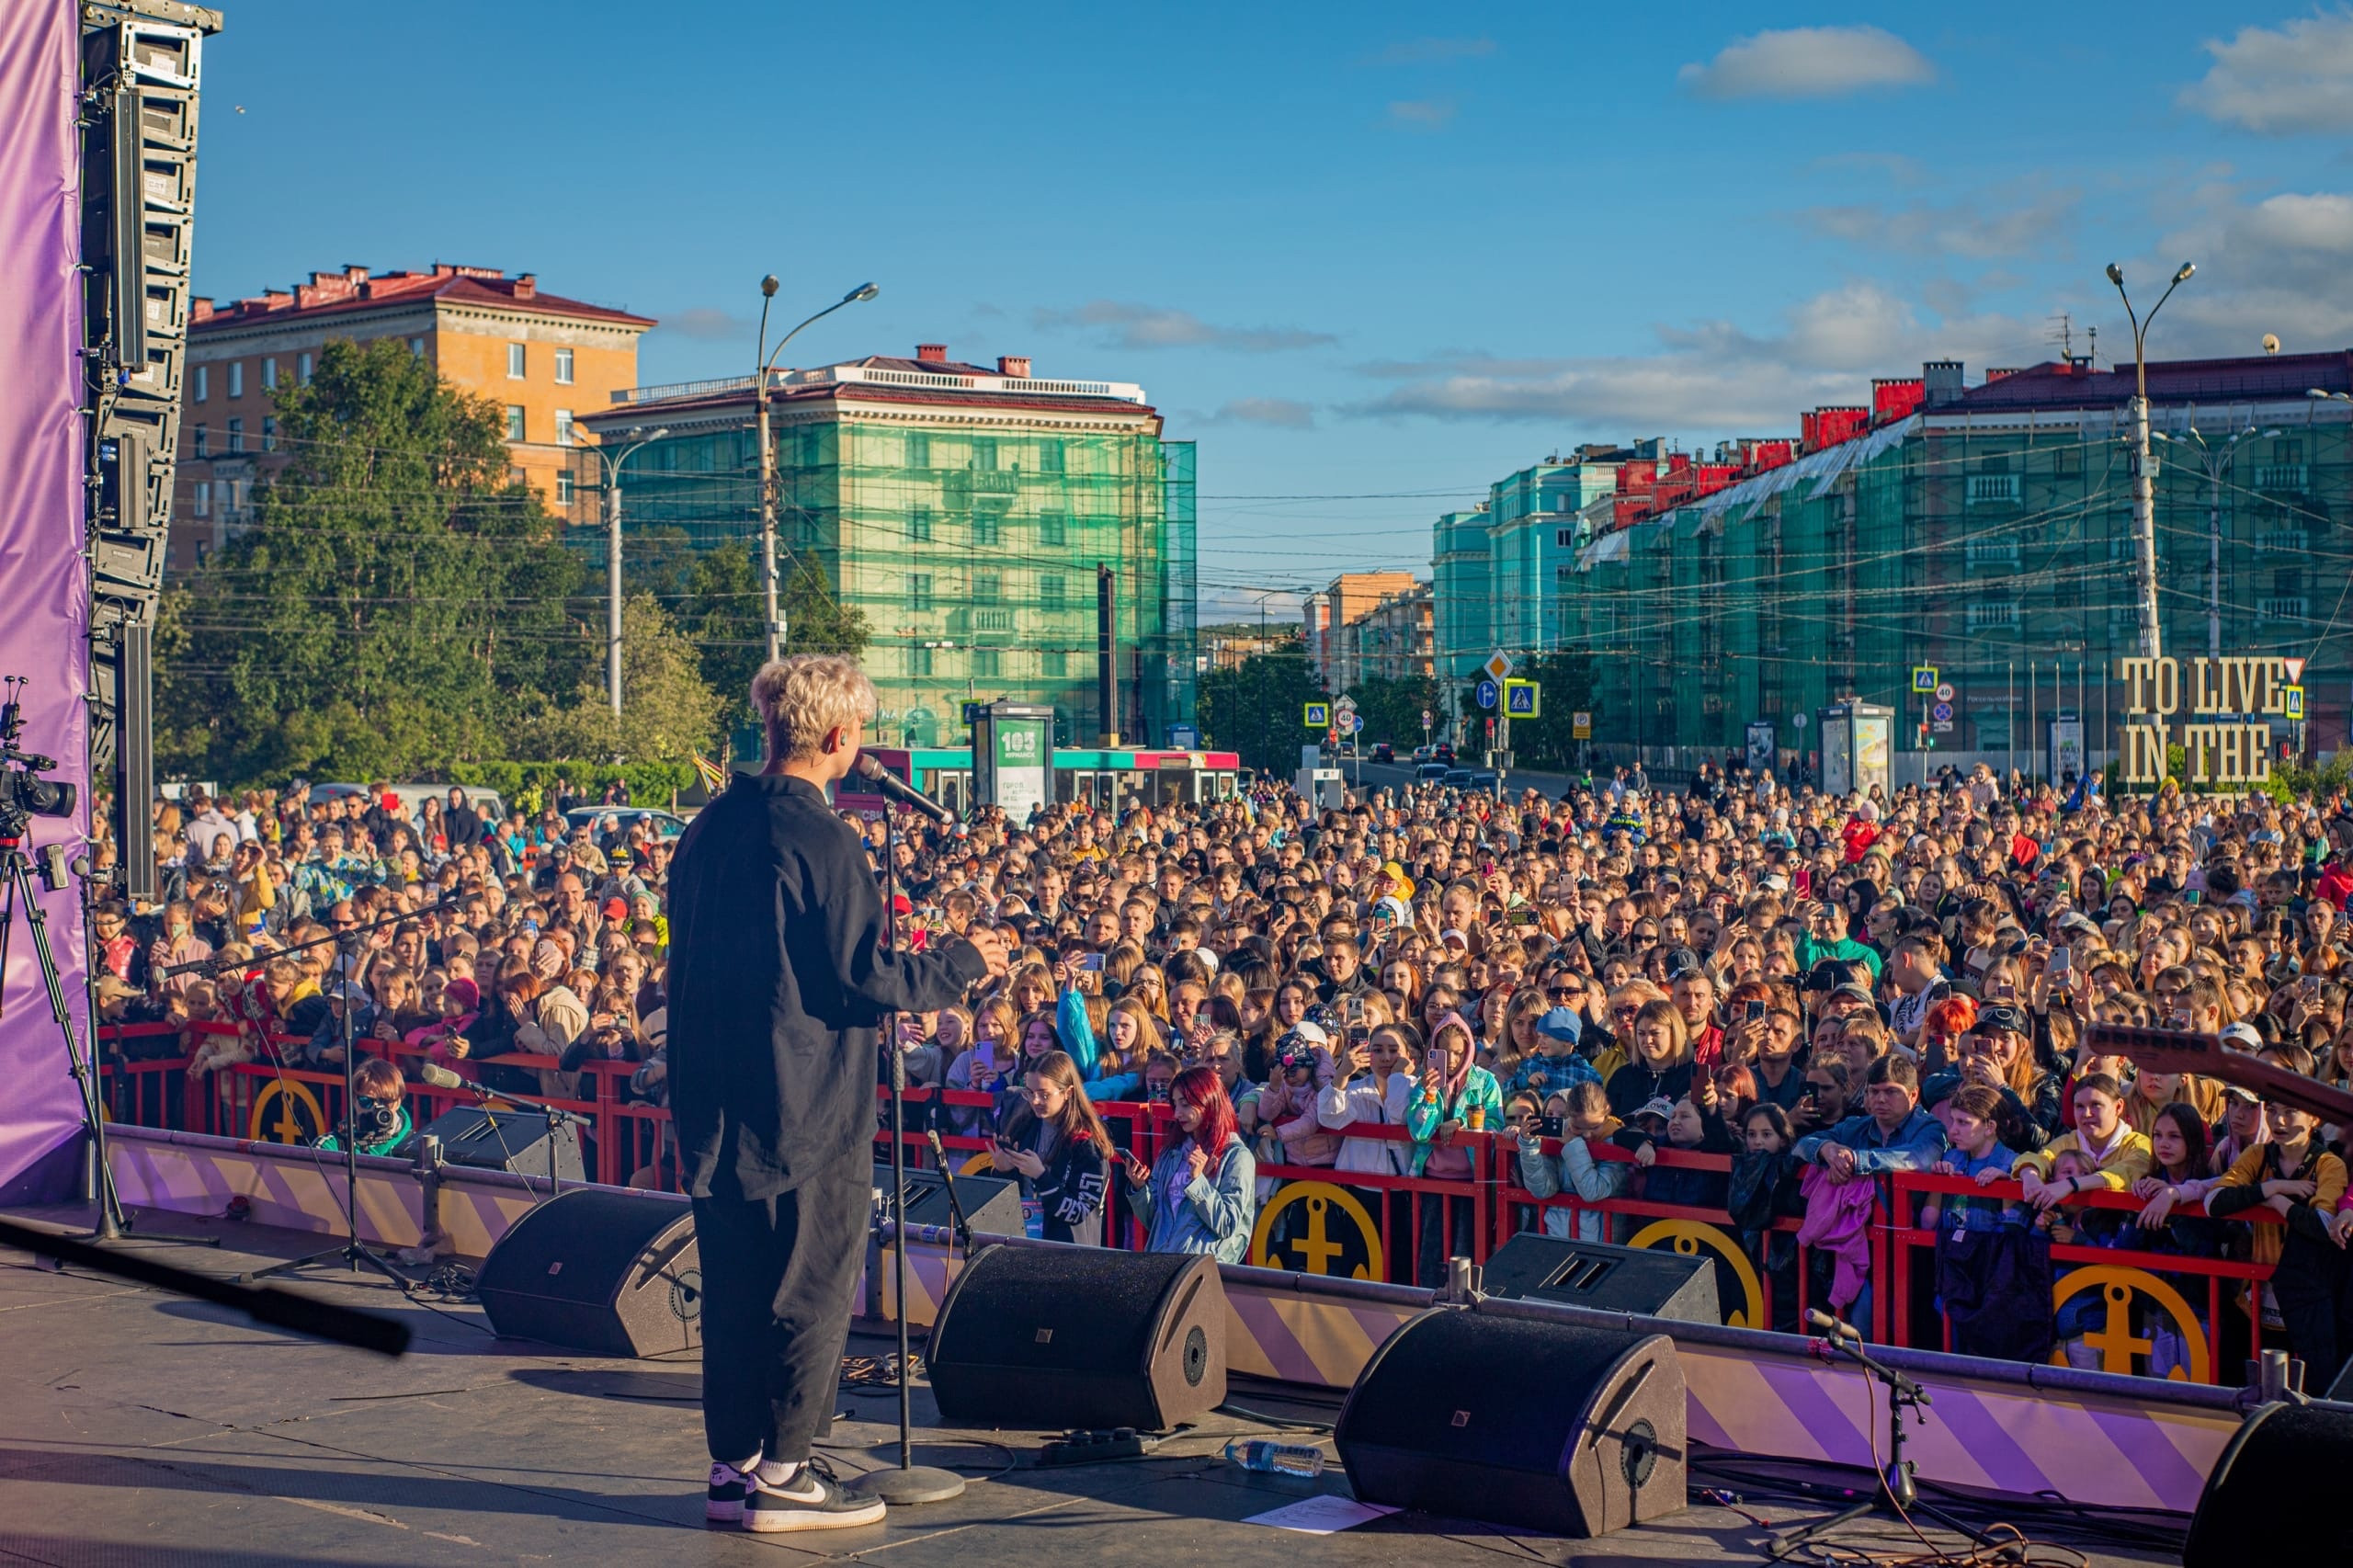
{"points": [[396, 605], [668, 711], [1391, 710], [1549, 742], [721, 611], [1254, 709]]}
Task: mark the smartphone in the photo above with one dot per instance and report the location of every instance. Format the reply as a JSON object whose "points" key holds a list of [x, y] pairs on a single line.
{"points": [[1522, 917], [1360, 1035], [1754, 1011], [2062, 960], [1550, 1125], [1092, 963], [2005, 991]]}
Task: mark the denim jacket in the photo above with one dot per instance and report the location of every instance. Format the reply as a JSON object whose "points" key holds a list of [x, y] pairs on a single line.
{"points": [[1213, 1213]]}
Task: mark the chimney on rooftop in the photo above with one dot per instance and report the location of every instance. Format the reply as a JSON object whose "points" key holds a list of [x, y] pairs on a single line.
{"points": [[1941, 379], [1013, 365], [527, 286], [932, 353]]}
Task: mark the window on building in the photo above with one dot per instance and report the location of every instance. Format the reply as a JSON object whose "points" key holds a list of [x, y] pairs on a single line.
{"points": [[919, 449], [563, 488], [809, 449], [269, 373], [2068, 462], [984, 453], [1992, 613], [987, 587], [1053, 527], [563, 366], [515, 476], [416, 347], [204, 552], [564, 427], [302, 369], [514, 361], [1054, 665], [203, 382], [1050, 456], [236, 378], [1049, 590], [514, 421], [236, 436], [203, 441], [918, 590], [988, 528], [269, 433], [919, 526], [203, 497], [919, 661], [987, 662]]}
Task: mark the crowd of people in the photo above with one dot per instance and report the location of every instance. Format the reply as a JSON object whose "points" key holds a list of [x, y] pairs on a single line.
{"points": [[1820, 990]]}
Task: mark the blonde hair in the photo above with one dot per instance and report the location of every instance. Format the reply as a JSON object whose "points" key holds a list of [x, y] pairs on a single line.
{"points": [[800, 698]]}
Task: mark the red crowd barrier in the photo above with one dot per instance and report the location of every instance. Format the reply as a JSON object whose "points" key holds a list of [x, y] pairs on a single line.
{"points": [[1317, 1219]]}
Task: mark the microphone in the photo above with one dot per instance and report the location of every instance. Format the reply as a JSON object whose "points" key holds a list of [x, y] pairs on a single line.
{"points": [[436, 1076], [888, 785], [1836, 1328]]}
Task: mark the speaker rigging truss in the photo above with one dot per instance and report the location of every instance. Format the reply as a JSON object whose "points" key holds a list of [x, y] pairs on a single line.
{"points": [[142, 62]]}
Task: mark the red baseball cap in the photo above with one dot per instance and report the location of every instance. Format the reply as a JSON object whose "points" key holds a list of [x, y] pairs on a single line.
{"points": [[616, 909]]}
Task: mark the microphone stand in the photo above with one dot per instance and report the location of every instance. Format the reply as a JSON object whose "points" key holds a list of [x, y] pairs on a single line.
{"points": [[910, 1483], [556, 1116], [353, 1252], [1897, 1495]]}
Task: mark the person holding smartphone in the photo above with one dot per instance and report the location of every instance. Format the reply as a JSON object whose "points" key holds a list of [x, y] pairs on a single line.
{"points": [[1059, 1149], [1202, 1194]]}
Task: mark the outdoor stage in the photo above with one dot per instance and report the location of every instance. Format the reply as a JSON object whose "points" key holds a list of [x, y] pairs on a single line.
{"points": [[138, 1428]]}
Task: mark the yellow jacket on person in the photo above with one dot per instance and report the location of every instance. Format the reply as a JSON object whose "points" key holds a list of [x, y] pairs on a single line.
{"points": [[2129, 1159]]}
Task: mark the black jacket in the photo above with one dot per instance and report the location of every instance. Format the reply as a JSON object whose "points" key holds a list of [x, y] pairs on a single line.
{"points": [[778, 979]]}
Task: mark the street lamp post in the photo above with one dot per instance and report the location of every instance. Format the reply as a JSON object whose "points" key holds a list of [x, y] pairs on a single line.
{"points": [[612, 467], [765, 360], [2145, 505]]}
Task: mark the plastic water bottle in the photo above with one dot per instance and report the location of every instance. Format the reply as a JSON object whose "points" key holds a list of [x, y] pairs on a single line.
{"points": [[1269, 1458]]}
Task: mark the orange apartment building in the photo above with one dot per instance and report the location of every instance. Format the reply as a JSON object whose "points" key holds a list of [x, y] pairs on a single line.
{"points": [[541, 357]]}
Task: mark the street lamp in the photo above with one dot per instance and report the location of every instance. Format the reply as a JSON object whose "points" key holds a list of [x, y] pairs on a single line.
{"points": [[2212, 461], [613, 552], [2145, 505], [765, 360]]}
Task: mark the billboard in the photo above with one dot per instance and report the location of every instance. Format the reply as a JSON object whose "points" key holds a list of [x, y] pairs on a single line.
{"points": [[1012, 758], [45, 635]]}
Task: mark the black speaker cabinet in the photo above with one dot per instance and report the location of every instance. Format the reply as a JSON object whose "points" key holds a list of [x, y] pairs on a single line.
{"points": [[2272, 1497], [599, 1270], [1659, 1284], [992, 1203], [1476, 1415], [506, 1141], [1044, 1338]]}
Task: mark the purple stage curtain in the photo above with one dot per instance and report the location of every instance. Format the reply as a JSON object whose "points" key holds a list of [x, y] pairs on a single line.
{"points": [[44, 594]]}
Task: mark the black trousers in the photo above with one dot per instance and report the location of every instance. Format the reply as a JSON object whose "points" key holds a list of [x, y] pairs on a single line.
{"points": [[777, 1279]]}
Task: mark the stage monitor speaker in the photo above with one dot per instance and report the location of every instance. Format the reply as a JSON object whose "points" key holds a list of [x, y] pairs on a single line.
{"points": [[516, 1140], [992, 1204], [1046, 1338], [1659, 1284], [2272, 1497], [599, 1270], [1584, 1433]]}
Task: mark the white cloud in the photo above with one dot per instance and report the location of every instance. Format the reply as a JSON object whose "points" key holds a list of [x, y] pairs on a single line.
{"points": [[1712, 377], [1123, 324], [1808, 63], [1434, 51], [2281, 81], [1278, 411], [1421, 114], [712, 326], [1979, 227], [2275, 265]]}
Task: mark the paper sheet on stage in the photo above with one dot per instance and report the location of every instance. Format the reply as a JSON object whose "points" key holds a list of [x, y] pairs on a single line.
{"points": [[1323, 1515]]}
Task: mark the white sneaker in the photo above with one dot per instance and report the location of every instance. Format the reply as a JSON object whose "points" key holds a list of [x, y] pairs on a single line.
{"points": [[814, 1500]]}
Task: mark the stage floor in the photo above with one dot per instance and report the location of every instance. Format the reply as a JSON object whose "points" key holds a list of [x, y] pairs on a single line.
{"points": [[136, 1428]]}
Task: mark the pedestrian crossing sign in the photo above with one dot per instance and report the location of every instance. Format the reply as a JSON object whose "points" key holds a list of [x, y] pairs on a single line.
{"points": [[1319, 716], [1520, 699]]}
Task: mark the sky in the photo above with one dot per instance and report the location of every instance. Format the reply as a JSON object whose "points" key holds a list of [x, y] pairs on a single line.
{"points": [[1371, 258]]}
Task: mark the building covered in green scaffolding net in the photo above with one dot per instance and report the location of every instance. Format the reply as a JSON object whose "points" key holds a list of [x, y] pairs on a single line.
{"points": [[965, 511]]}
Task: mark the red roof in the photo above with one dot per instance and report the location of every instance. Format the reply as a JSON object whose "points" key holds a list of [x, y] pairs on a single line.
{"points": [[354, 289], [2270, 376]]}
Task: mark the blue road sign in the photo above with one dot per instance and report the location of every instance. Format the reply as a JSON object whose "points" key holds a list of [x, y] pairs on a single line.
{"points": [[1486, 694]]}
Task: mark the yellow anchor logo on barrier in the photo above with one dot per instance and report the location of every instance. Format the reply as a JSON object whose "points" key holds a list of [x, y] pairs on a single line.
{"points": [[1318, 1252], [298, 1118], [1689, 1236], [2115, 1340]]}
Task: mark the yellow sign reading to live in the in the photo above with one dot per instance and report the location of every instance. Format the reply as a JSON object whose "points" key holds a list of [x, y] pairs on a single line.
{"points": [[2223, 738], [1313, 1227]]}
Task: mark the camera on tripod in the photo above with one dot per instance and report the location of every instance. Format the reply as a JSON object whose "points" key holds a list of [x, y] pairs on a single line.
{"points": [[24, 793]]}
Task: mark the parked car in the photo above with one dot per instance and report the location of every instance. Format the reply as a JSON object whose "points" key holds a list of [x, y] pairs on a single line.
{"points": [[1430, 773], [1458, 777], [1384, 751], [1484, 780], [1422, 751], [669, 824], [1443, 752]]}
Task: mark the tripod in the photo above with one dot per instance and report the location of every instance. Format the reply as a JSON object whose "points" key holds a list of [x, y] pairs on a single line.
{"points": [[113, 1228], [1898, 1495]]}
